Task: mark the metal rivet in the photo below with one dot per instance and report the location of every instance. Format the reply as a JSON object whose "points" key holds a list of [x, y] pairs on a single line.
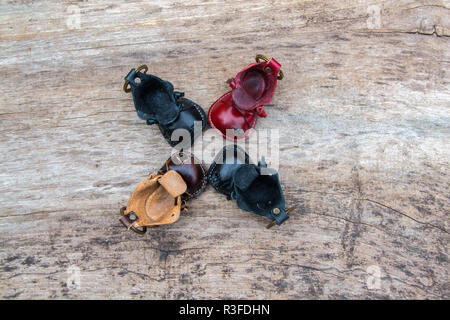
{"points": [[276, 211], [132, 216]]}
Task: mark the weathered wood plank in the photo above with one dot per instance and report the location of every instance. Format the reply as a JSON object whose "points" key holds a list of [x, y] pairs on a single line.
{"points": [[363, 114]]}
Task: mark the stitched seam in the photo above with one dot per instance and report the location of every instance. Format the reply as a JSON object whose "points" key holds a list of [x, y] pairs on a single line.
{"points": [[202, 187]]}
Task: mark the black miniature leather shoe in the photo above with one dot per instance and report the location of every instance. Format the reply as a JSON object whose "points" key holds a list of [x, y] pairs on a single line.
{"points": [[160, 198], [156, 102], [255, 188]]}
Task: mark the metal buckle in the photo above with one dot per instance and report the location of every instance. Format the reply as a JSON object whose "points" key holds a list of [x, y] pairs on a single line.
{"points": [[126, 87]]}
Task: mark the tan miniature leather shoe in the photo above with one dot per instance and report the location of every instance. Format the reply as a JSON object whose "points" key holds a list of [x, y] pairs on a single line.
{"points": [[159, 199], [155, 201]]}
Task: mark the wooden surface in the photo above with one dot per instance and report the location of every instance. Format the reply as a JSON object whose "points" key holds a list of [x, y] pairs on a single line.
{"points": [[363, 113]]}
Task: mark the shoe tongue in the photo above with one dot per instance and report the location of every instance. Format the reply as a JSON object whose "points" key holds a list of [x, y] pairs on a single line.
{"points": [[245, 176], [243, 100], [173, 183]]}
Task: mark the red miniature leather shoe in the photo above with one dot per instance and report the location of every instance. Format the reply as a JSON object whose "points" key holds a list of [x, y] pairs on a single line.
{"points": [[237, 111]]}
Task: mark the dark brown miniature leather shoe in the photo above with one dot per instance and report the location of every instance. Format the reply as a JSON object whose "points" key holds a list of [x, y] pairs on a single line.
{"points": [[160, 198]]}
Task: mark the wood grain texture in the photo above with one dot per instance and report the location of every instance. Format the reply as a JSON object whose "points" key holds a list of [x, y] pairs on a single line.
{"points": [[363, 113]]}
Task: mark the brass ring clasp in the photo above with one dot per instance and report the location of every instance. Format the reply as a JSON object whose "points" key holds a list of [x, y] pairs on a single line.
{"points": [[260, 57], [126, 86]]}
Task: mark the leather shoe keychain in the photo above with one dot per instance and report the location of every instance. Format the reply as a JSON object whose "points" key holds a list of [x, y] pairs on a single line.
{"points": [[254, 190], [156, 102], [237, 111], [160, 198]]}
